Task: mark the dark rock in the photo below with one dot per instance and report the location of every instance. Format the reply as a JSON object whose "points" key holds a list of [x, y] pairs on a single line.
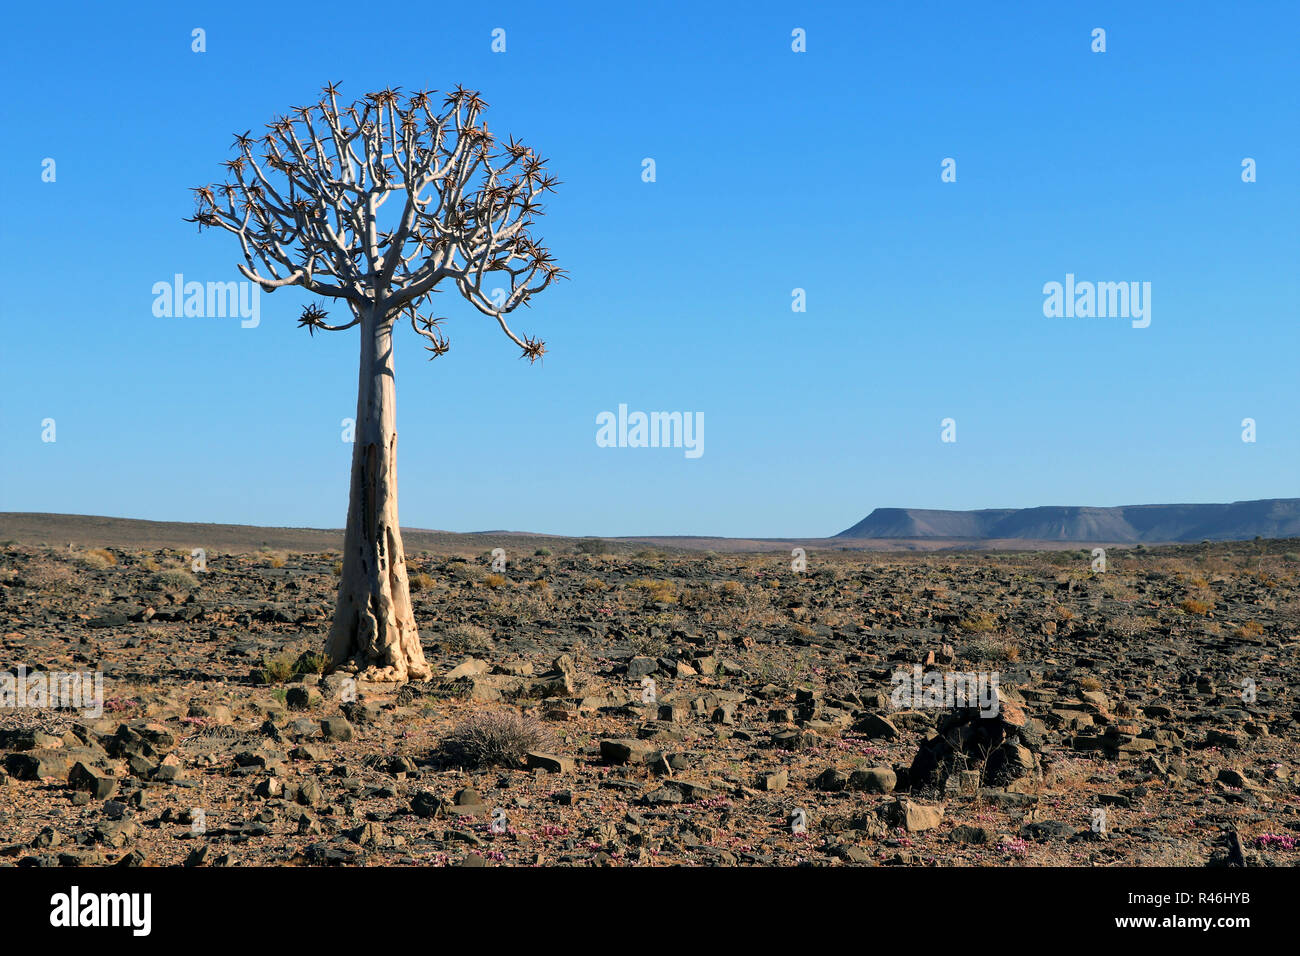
{"points": [[336, 728], [89, 780]]}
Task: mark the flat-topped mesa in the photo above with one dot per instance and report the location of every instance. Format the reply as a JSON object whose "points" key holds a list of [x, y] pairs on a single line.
{"points": [[1238, 521]]}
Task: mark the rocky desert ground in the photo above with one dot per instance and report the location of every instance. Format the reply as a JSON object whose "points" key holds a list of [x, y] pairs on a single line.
{"points": [[653, 707]]}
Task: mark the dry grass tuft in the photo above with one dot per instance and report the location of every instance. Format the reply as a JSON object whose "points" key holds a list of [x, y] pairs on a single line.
{"points": [[663, 591], [495, 738], [175, 580], [979, 623], [99, 559]]}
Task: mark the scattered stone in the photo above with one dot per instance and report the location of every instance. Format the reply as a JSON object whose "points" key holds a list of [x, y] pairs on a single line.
{"points": [[625, 751], [969, 834], [875, 726], [1046, 830], [300, 698], [912, 816], [336, 728], [551, 763], [832, 780], [874, 780], [98, 784]]}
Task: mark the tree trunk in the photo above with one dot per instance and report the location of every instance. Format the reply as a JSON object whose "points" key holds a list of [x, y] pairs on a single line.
{"points": [[374, 629]]}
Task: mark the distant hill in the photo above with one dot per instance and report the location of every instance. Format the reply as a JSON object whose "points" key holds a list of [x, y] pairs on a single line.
{"points": [[885, 529], [1240, 520]]}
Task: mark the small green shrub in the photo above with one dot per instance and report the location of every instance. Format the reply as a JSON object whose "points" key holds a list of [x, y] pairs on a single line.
{"points": [[278, 669]]}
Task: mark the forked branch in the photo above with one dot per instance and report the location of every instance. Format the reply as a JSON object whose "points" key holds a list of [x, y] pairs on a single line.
{"points": [[305, 201]]}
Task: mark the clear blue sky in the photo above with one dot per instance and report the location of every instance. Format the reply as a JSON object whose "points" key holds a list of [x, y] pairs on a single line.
{"points": [[775, 170]]}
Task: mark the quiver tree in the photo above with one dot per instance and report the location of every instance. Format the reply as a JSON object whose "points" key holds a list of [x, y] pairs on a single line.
{"points": [[310, 203]]}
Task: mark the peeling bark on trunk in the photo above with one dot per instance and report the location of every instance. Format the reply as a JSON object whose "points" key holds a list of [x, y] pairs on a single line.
{"points": [[374, 632]]}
